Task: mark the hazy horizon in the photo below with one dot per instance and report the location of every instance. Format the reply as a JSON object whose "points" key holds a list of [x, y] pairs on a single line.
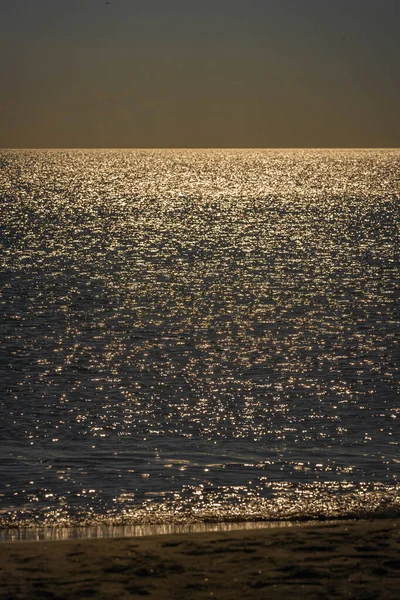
{"points": [[118, 74], [311, 148]]}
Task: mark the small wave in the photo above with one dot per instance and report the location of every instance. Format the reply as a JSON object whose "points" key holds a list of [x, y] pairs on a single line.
{"points": [[289, 503]]}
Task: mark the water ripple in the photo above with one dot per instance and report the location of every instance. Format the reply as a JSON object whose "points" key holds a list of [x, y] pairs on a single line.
{"points": [[178, 319]]}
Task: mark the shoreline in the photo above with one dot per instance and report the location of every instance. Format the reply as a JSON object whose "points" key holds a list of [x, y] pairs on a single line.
{"points": [[57, 533], [358, 559]]}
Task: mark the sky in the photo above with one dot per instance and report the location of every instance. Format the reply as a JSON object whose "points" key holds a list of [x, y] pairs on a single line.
{"points": [[199, 73]]}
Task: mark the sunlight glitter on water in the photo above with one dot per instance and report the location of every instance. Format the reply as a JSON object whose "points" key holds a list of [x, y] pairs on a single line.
{"points": [[186, 320]]}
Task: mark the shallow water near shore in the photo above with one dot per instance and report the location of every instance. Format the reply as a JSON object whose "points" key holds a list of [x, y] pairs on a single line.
{"points": [[198, 336], [52, 534]]}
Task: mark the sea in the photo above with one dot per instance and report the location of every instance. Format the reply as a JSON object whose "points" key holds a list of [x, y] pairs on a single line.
{"points": [[198, 336]]}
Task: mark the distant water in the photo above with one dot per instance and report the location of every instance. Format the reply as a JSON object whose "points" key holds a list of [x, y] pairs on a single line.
{"points": [[192, 336]]}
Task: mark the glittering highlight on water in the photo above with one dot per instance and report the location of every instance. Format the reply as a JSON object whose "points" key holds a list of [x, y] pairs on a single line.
{"points": [[198, 336]]}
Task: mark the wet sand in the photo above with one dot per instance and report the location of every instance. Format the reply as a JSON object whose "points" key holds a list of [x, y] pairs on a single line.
{"points": [[336, 560]]}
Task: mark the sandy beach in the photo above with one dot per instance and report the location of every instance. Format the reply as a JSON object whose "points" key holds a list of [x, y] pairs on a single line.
{"points": [[336, 560]]}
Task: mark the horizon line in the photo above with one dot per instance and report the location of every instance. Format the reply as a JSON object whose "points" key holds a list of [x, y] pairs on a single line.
{"points": [[201, 148]]}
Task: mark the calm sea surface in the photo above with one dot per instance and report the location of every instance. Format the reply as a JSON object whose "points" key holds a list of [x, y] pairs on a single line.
{"points": [[192, 336]]}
